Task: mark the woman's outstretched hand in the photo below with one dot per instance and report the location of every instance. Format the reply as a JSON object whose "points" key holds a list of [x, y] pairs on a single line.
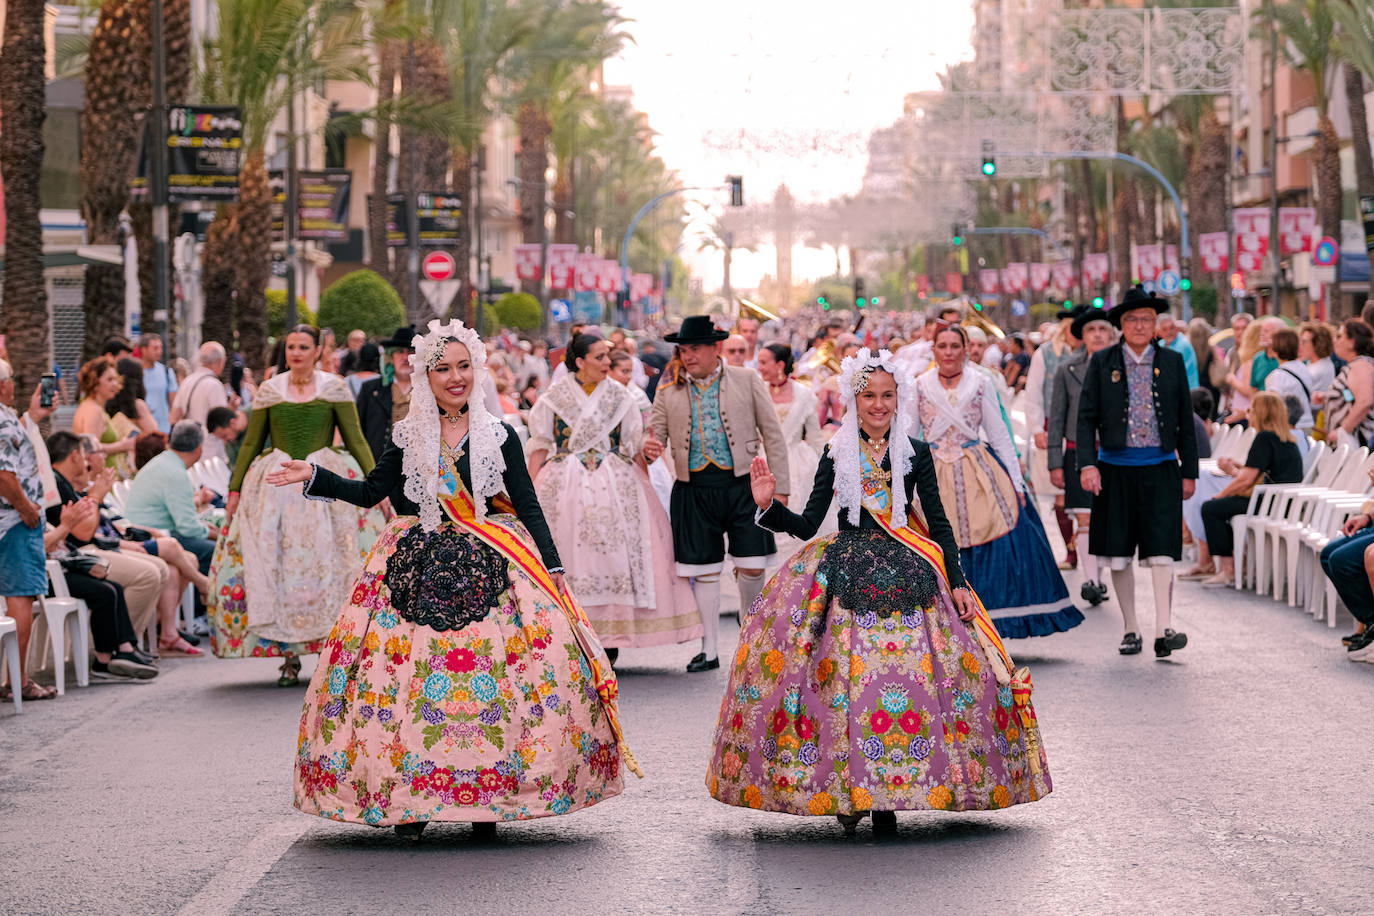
{"points": [[290, 472], [964, 604], [762, 482]]}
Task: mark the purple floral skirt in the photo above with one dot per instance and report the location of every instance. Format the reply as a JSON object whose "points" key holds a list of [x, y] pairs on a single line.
{"points": [[836, 709]]}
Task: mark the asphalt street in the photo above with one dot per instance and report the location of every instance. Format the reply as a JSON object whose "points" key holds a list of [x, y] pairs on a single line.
{"points": [[1232, 778]]}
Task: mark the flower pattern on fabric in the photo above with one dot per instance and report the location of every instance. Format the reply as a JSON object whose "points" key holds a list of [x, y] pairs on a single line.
{"points": [[1141, 429], [446, 579], [833, 709]]}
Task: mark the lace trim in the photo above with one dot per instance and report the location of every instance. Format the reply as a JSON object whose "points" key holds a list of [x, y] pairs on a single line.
{"points": [[419, 436], [310, 484], [594, 417], [844, 445]]}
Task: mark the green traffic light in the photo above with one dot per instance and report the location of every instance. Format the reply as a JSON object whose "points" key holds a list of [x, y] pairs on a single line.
{"points": [[861, 302], [989, 168], [1185, 284], [1097, 302], [958, 240], [1068, 303], [820, 300]]}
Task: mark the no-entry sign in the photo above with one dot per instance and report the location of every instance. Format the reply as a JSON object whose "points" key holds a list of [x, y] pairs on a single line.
{"points": [[438, 265]]}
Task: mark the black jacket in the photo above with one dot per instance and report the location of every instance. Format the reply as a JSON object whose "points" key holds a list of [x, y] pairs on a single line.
{"points": [[920, 480], [374, 413], [387, 481], [1105, 402]]}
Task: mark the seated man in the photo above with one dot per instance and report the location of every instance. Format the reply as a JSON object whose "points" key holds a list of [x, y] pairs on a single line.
{"points": [[161, 495], [1348, 562]]}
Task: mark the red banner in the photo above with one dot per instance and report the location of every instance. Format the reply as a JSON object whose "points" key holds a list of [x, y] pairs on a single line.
{"points": [[1096, 266], [1061, 275], [608, 280], [1171, 259], [588, 272], [641, 285], [1252, 221], [562, 266], [1015, 277], [1214, 250], [1039, 277], [1297, 226], [1149, 261], [988, 281], [954, 283], [527, 261]]}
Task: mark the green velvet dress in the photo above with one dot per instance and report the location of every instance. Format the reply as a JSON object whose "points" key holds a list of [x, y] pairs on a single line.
{"points": [[284, 565]]}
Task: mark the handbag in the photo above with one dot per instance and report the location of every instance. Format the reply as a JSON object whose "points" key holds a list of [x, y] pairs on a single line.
{"points": [[84, 564]]}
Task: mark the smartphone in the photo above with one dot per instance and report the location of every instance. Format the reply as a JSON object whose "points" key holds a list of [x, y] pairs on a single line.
{"points": [[47, 389]]}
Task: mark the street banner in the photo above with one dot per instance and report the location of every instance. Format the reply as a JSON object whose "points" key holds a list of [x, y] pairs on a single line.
{"points": [[322, 201], [954, 283], [527, 261], [1149, 261], [1014, 277], [988, 281], [1214, 250], [1096, 266], [1061, 275], [1252, 221], [562, 266], [203, 147], [441, 218], [1296, 228], [641, 285], [1171, 259], [1039, 277], [588, 272], [1249, 261], [608, 276]]}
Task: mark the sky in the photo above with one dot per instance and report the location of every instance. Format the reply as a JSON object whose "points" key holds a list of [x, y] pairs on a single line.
{"points": [[805, 80]]}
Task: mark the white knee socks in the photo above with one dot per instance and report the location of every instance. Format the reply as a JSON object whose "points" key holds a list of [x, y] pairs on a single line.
{"points": [[1092, 569], [706, 591], [1162, 578], [749, 589], [1123, 582]]}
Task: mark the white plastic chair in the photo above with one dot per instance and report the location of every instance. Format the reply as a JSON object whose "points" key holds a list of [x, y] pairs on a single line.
{"points": [[68, 621], [1354, 480], [1321, 469], [9, 641]]}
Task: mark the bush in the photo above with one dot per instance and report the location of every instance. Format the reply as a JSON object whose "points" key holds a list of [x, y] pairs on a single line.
{"points": [[276, 312], [488, 320], [361, 300], [519, 311]]}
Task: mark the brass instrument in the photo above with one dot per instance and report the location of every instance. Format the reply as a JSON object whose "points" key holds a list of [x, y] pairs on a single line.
{"points": [[983, 323], [823, 357], [748, 308]]}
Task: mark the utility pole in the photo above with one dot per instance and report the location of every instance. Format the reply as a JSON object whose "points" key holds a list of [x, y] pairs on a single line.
{"points": [[290, 208], [412, 196], [1273, 156], [157, 169]]}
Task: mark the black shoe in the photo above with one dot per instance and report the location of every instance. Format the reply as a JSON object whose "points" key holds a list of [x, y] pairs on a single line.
{"points": [[1101, 592], [1360, 641], [1130, 644], [191, 638], [884, 823], [701, 663], [144, 657], [124, 664], [1093, 592], [1347, 640], [411, 831], [1170, 641], [613, 655], [484, 830]]}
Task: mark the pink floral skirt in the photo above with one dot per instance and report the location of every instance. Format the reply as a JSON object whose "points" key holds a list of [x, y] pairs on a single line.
{"points": [[854, 689], [495, 720]]}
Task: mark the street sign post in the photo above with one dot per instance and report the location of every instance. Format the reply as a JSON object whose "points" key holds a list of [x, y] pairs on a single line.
{"points": [[439, 266], [1169, 282]]}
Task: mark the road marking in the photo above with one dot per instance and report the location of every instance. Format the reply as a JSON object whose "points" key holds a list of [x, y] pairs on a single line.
{"points": [[243, 872]]}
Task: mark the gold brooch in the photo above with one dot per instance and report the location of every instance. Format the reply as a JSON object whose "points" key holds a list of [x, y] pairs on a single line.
{"points": [[1116, 376]]}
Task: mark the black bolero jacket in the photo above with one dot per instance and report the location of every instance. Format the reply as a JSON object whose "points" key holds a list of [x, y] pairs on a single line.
{"points": [[1105, 403], [920, 480], [387, 480]]}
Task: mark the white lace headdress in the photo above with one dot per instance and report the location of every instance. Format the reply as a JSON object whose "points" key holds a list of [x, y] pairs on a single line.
{"points": [[844, 445], [418, 434]]}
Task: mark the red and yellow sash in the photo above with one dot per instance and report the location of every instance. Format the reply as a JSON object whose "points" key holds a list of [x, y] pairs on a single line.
{"points": [[461, 510]]}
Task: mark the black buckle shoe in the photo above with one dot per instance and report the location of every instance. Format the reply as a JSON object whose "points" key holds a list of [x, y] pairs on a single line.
{"points": [[701, 663], [1093, 592], [1130, 644], [884, 823], [1170, 641]]}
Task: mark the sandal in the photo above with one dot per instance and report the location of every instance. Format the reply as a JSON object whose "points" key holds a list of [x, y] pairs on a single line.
{"points": [[34, 691], [290, 672], [177, 647]]}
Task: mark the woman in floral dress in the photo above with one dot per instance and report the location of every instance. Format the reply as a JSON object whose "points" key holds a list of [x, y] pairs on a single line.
{"points": [[283, 564], [868, 677], [585, 432], [461, 682]]}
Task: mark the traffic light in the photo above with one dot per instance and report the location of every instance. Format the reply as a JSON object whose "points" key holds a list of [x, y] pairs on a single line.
{"points": [[1185, 284], [736, 183], [956, 235], [989, 159], [1097, 302], [1068, 303], [823, 302], [859, 300]]}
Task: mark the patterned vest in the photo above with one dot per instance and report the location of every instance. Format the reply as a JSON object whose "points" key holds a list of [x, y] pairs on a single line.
{"points": [[1142, 430], [709, 445]]}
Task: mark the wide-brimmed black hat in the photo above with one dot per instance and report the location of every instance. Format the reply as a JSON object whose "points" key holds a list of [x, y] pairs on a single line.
{"points": [[1071, 312], [697, 329], [1136, 298], [403, 339], [1084, 315]]}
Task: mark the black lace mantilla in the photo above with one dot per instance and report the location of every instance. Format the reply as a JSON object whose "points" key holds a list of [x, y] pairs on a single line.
{"points": [[445, 580], [866, 570]]}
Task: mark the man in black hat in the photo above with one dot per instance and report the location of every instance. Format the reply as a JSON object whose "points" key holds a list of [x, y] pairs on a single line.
{"points": [[1136, 405], [716, 418], [383, 401]]}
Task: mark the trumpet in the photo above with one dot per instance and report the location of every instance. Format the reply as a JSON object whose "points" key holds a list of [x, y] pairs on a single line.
{"points": [[983, 323], [748, 308], [823, 357]]}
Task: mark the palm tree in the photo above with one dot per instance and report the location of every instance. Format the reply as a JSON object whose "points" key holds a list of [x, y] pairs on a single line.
{"points": [[25, 310], [1309, 27], [1355, 45], [265, 49]]}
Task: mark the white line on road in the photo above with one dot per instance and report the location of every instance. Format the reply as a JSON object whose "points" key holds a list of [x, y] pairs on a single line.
{"points": [[243, 872]]}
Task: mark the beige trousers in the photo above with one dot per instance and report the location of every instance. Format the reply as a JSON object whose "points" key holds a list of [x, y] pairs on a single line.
{"points": [[143, 577]]}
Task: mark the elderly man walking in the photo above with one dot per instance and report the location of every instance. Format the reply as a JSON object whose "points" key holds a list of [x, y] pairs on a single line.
{"points": [[202, 391], [1135, 403]]}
